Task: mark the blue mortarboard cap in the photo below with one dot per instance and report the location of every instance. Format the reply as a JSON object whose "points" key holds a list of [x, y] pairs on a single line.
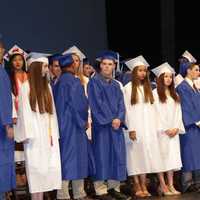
{"points": [[111, 55], [86, 61], [183, 68], [66, 60], [54, 57]]}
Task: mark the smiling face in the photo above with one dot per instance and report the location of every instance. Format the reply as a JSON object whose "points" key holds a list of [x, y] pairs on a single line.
{"points": [[55, 68], [76, 60]]}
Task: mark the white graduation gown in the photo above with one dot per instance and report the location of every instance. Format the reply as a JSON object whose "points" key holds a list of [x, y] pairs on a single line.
{"points": [[169, 116], [143, 155], [43, 166]]}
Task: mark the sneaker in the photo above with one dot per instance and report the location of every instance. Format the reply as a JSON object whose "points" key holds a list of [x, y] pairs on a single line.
{"points": [[118, 195]]}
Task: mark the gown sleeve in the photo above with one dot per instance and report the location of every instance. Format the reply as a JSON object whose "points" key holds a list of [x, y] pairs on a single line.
{"points": [[189, 105], [101, 112], [5, 99], [23, 130]]}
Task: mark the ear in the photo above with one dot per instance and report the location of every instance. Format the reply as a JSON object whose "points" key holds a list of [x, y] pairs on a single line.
{"points": [[114, 66], [188, 71]]}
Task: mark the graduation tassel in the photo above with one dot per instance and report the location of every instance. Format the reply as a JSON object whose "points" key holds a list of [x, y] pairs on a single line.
{"points": [[50, 135]]}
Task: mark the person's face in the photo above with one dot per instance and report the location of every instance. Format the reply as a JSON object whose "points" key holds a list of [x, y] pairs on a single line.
{"points": [[55, 68], [87, 70], [141, 72], [18, 62], [2, 51], [45, 70], [168, 79], [194, 72], [107, 66], [77, 61]]}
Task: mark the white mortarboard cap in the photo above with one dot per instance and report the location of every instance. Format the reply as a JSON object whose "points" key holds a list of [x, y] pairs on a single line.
{"points": [[15, 50], [138, 61], [178, 80], [189, 56], [163, 68], [37, 57], [75, 50]]}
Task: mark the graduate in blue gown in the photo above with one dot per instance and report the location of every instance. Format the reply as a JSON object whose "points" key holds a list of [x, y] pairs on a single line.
{"points": [[108, 113], [7, 166], [190, 142], [55, 70], [72, 110]]}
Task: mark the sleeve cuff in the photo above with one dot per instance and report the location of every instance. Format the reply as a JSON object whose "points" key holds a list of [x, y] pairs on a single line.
{"points": [[197, 123]]}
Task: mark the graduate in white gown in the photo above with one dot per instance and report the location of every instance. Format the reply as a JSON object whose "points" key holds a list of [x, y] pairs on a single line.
{"points": [[170, 125], [37, 128], [143, 154]]}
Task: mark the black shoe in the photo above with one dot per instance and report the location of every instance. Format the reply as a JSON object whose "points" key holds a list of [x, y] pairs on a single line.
{"points": [[85, 198], [118, 195], [192, 188], [103, 197]]}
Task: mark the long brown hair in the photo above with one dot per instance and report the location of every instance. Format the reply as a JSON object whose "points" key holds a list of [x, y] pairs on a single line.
{"points": [[39, 90], [161, 90], [148, 96]]}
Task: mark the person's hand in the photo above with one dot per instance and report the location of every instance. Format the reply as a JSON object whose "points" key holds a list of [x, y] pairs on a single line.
{"points": [[15, 120], [172, 132], [26, 141], [86, 125], [116, 123], [132, 135], [10, 132]]}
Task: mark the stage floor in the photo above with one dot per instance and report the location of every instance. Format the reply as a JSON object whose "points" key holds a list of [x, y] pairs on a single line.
{"points": [[188, 196]]}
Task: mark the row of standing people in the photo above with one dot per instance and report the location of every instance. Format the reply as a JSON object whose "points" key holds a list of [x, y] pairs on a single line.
{"points": [[144, 142]]}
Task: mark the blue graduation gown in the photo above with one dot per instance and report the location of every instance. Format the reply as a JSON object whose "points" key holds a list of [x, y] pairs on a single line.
{"points": [[190, 142], [107, 103], [7, 165], [53, 84], [72, 111], [124, 78]]}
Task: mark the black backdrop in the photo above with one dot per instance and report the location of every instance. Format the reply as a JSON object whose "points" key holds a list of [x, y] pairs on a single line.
{"points": [[160, 29], [50, 26]]}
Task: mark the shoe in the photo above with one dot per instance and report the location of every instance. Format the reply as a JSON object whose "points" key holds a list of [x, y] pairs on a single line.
{"points": [[138, 191], [191, 188], [85, 198], [161, 192], [145, 191], [103, 197], [63, 199], [173, 190], [118, 195]]}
